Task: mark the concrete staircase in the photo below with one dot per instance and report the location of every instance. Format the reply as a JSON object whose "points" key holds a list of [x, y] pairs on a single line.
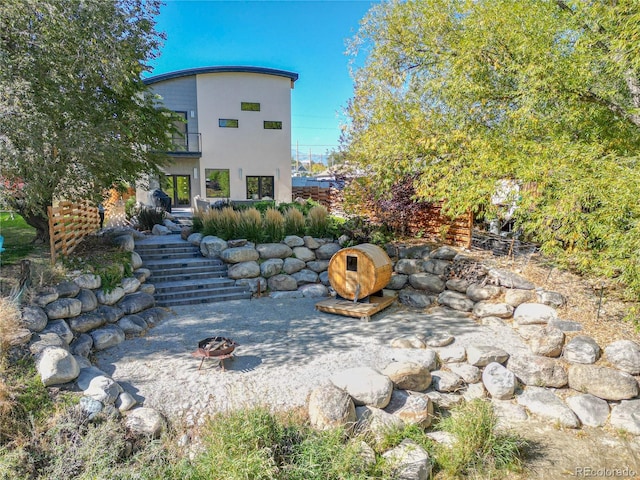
{"points": [[182, 276]]}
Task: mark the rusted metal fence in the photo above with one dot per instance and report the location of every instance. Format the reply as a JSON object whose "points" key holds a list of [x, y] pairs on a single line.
{"points": [[69, 223]]}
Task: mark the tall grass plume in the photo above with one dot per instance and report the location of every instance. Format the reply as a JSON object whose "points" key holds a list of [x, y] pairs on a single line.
{"points": [[273, 225]]}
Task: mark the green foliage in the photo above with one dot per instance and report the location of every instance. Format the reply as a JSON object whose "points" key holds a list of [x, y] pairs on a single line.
{"points": [[197, 223], [150, 216], [250, 226], [294, 223], [273, 225], [362, 230], [224, 223], [18, 238], [303, 206], [462, 95], [130, 207], [262, 205]]}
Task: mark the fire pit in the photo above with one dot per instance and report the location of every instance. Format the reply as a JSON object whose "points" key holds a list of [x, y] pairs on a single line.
{"points": [[219, 348]]}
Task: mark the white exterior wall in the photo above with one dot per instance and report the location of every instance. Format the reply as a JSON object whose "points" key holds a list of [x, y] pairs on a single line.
{"points": [[249, 149]]}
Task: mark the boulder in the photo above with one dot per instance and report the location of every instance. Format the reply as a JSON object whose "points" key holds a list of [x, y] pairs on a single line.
{"points": [[626, 416], [160, 230], [533, 313], [67, 289], [408, 266], [318, 266], [411, 341], [435, 267], [314, 290], [82, 345], [426, 281], [273, 250], [98, 385], [493, 322], [88, 299], [508, 412], [125, 402], [343, 240], [56, 365], [455, 300], [253, 284], [147, 288], [624, 355], [293, 265], [439, 339], [538, 371], [64, 308], [553, 299], [508, 279], [287, 294], [303, 253], [142, 274], [478, 293], [409, 461], [408, 375], [61, 328], [282, 282], [603, 382], [240, 255], [411, 407], [488, 309], [45, 296], [459, 285], [581, 349], [90, 407], [331, 407], [444, 253], [293, 241], [483, 355], [416, 298], [136, 262], [111, 297], [174, 227], [124, 242], [136, 302], [130, 284], [376, 421], [146, 422], [195, 239], [474, 391], [34, 318], [365, 385], [132, 324], [326, 251], [109, 313], [305, 276], [545, 403], [41, 341], [468, 373], [86, 322], [311, 242], [107, 336], [592, 411], [443, 400], [548, 342], [455, 353], [446, 382], [249, 269], [185, 232], [239, 242], [154, 315], [88, 280], [324, 279], [565, 325], [516, 297], [398, 281], [212, 247], [499, 381]]}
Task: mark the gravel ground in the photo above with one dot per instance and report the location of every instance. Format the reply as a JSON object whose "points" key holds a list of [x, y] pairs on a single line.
{"points": [[287, 348]]}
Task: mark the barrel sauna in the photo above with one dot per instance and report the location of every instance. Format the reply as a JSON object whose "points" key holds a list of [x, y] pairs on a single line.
{"points": [[357, 272]]}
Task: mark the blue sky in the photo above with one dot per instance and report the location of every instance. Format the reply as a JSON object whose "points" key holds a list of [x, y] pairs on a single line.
{"points": [[307, 37]]}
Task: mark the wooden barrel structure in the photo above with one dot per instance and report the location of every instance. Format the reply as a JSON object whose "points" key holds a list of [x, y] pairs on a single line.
{"points": [[357, 272]]}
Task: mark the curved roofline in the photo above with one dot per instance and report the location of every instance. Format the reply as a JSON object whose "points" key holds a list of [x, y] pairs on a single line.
{"points": [[220, 69]]}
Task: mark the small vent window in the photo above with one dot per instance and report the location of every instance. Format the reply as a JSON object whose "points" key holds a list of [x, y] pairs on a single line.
{"points": [[352, 263], [227, 123], [272, 125], [250, 106]]}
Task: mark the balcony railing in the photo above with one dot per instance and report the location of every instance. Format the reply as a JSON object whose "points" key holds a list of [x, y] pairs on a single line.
{"points": [[190, 143]]}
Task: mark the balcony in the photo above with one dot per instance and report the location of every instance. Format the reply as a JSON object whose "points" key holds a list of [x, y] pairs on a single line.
{"points": [[187, 145]]}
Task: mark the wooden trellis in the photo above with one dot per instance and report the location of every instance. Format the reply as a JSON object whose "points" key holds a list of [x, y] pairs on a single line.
{"points": [[69, 223]]}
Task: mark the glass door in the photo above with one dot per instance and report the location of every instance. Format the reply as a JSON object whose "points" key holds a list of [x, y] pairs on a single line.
{"points": [[178, 187]]}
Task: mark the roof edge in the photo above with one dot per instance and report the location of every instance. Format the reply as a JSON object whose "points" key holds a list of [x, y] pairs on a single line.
{"points": [[220, 69]]}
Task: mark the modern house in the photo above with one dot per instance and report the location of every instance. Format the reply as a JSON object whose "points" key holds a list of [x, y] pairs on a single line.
{"points": [[235, 141]]}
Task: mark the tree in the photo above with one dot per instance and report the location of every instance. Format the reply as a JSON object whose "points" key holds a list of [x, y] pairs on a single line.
{"points": [[75, 116], [542, 93]]}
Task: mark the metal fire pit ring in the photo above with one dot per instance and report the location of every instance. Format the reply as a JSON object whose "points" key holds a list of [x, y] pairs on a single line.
{"points": [[219, 348]]}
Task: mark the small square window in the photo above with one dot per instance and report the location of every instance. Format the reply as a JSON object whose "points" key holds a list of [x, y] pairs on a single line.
{"points": [[227, 123], [272, 125], [250, 106]]}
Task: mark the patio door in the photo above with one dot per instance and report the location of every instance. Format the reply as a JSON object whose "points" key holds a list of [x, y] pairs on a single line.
{"points": [[178, 187]]}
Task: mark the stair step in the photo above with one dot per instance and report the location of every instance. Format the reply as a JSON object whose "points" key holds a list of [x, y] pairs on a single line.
{"points": [[201, 300], [200, 293], [182, 263], [176, 247], [180, 275], [193, 285], [169, 255]]}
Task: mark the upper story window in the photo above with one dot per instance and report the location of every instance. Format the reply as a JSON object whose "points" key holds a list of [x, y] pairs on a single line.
{"points": [[228, 123], [272, 125], [250, 106]]}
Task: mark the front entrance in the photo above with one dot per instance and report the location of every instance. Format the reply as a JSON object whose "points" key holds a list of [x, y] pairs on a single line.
{"points": [[178, 187]]}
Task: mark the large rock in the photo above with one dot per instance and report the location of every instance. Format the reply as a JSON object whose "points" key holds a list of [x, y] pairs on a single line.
{"points": [[293, 265], [444, 253], [545, 403], [41, 341], [409, 461], [130, 284], [488, 309], [439, 339], [159, 230], [318, 266], [365, 385], [249, 269], [443, 400], [455, 353], [82, 345], [98, 385], [331, 407], [516, 296], [293, 241], [125, 402], [45, 296], [88, 299], [603, 382], [483, 355], [86, 322], [326, 251], [455, 300], [305, 276], [314, 290], [282, 282], [67, 289], [136, 262], [212, 247], [256, 285], [195, 239], [499, 381], [303, 253], [125, 242], [592, 411], [274, 250], [508, 279], [538, 371], [416, 298], [146, 422], [398, 281], [565, 325], [136, 302], [411, 407], [110, 313], [111, 297], [88, 280], [553, 299], [468, 373], [533, 313], [287, 294], [61, 328], [624, 355], [408, 375], [459, 285], [64, 308], [56, 365], [626, 416], [479, 293], [34, 318], [240, 254], [435, 267], [446, 382], [132, 324], [409, 266], [581, 349], [426, 281], [376, 421], [310, 242], [548, 342], [154, 315], [271, 267], [142, 274], [107, 336]]}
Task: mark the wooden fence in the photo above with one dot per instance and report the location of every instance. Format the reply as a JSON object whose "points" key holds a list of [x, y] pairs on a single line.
{"points": [[69, 223], [329, 197]]}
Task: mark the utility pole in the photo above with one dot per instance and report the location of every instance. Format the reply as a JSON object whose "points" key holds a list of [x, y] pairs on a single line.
{"points": [[297, 161]]}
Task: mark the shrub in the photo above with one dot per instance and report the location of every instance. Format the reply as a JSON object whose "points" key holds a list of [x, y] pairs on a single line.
{"points": [[262, 205], [318, 222], [223, 223], [150, 216], [273, 225], [250, 226], [294, 222], [303, 206], [130, 207]]}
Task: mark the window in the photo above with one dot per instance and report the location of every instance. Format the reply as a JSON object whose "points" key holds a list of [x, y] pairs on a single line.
{"points": [[217, 182], [179, 136], [259, 187], [250, 106], [227, 123], [272, 125]]}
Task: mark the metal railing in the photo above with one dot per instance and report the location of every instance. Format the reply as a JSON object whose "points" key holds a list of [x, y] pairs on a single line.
{"points": [[188, 143]]}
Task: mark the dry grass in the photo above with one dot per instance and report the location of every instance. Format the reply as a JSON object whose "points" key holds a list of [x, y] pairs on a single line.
{"points": [[294, 222], [274, 225]]}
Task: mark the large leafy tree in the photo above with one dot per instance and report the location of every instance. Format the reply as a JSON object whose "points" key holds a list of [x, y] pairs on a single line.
{"points": [[544, 94], [75, 116]]}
